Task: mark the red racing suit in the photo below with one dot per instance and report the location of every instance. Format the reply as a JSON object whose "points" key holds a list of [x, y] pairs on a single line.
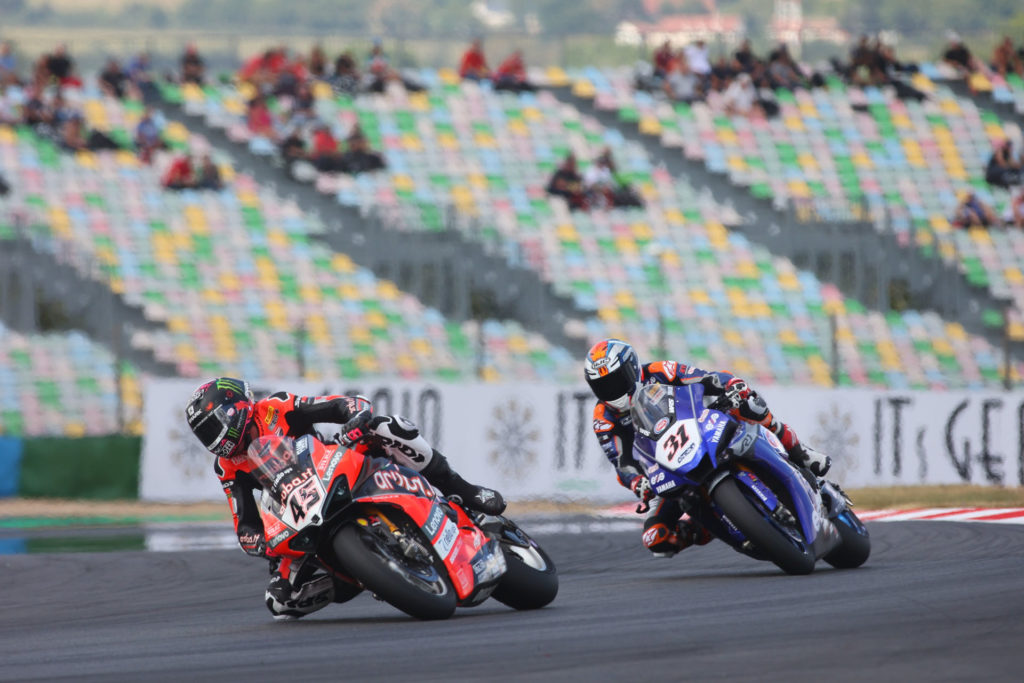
{"points": [[282, 414], [614, 430]]}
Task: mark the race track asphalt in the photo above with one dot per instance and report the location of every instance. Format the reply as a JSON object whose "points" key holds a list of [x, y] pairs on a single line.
{"points": [[936, 602]]}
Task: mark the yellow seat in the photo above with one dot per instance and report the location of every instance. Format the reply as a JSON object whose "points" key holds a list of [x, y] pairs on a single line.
{"points": [[793, 123], [1013, 275], [367, 363], [532, 114], [348, 292], [418, 101], [448, 141], [448, 76], [421, 347], [322, 90], [518, 127], [979, 82], [556, 77], [483, 139], [517, 344], [342, 263], [178, 324], [403, 182], [86, 159], [584, 88], [387, 290], [700, 296], [7, 135], [608, 315], [650, 125], [412, 142]]}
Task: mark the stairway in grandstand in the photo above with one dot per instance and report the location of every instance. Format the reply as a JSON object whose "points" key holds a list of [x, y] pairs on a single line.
{"points": [[798, 212], [460, 277]]}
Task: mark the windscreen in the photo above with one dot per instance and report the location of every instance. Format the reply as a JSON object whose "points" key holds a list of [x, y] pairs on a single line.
{"points": [[275, 462], [652, 403]]}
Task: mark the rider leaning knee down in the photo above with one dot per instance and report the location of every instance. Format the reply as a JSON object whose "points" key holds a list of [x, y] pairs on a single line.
{"points": [[226, 418], [614, 373]]}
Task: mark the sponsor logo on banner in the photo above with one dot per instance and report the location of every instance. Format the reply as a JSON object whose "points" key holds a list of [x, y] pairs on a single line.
{"points": [[512, 436]]}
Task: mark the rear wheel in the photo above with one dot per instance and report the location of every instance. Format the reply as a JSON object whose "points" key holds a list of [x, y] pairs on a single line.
{"points": [[856, 542], [531, 581], [790, 554], [409, 581]]}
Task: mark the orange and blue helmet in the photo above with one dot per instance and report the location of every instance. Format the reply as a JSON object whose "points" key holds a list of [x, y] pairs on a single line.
{"points": [[219, 413], [613, 372]]}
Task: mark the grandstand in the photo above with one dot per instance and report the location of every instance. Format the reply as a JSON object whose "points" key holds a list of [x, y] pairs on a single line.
{"points": [[243, 282]]}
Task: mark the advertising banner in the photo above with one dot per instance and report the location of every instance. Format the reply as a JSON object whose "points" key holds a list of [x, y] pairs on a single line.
{"points": [[535, 441]]}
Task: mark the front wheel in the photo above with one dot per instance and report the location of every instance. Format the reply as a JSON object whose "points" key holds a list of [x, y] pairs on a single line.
{"points": [[791, 556], [412, 584], [531, 581], [855, 547]]}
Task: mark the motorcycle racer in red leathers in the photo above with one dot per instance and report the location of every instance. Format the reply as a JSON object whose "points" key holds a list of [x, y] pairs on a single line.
{"points": [[614, 373], [226, 418]]}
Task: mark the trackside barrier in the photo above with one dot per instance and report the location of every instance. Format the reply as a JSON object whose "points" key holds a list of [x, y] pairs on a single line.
{"points": [[99, 467], [535, 441]]}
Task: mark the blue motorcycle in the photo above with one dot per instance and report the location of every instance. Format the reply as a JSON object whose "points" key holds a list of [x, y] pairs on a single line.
{"points": [[734, 479]]}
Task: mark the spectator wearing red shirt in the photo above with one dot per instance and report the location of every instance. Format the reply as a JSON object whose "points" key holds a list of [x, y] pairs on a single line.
{"points": [[511, 74], [325, 153], [663, 59], [474, 64], [179, 175], [260, 120]]}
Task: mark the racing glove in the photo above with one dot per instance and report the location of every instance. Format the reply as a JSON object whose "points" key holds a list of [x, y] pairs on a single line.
{"points": [[724, 398], [641, 488], [357, 428]]}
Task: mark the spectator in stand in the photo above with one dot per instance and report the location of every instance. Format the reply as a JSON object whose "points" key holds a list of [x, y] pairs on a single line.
{"points": [[293, 149], [511, 74], [113, 78], [1005, 60], [318, 62], [378, 68], [35, 112], [566, 182], [865, 65], [193, 68], [1002, 170], [260, 120], [209, 175], [662, 60], [744, 56], [179, 175], [8, 65], [681, 84], [148, 138], [473, 66], [61, 68], [603, 186], [73, 137], [60, 111], [783, 71], [971, 212], [697, 57], [958, 55], [286, 81], [740, 98], [140, 75], [346, 74], [723, 71], [325, 153], [262, 71], [360, 157]]}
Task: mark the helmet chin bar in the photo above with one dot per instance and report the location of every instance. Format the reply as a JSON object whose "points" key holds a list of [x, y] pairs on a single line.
{"points": [[620, 404]]}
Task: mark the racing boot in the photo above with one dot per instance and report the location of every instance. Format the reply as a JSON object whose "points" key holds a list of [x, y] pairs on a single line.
{"points": [[440, 473], [297, 588], [804, 456], [665, 540]]}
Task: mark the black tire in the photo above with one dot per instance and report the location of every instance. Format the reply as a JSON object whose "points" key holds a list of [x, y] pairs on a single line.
{"points": [[770, 540], [421, 592], [531, 581], [855, 547]]}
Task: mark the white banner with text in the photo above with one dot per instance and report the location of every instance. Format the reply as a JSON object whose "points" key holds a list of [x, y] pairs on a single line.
{"points": [[533, 441]]}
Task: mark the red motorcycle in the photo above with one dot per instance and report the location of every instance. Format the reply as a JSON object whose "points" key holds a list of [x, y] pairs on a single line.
{"points": [[386, 529]]}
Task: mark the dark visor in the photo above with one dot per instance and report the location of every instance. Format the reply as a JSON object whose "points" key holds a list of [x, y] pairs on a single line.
{"points": [[209, 431], [612, 386]]}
